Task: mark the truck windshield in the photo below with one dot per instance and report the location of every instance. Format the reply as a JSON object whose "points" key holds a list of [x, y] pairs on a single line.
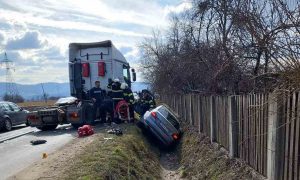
{"points": [[126, 74]]}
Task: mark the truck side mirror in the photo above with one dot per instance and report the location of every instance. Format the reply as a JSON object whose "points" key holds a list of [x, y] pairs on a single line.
{"points": [[133, 75]]}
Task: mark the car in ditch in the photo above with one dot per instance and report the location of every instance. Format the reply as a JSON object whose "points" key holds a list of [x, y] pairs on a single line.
{"points": [[163, 123], [12, 115]]}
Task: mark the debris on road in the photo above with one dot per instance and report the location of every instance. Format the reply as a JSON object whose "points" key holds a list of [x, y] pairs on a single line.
{"points": [[45, 155], [117, 131], [85, 130], [37, 142], [106, 139]]}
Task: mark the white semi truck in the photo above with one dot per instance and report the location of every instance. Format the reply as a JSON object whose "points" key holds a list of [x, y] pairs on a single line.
{"points": [[88, 62]]}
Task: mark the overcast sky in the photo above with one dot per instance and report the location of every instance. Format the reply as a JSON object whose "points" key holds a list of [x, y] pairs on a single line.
{"points": [[36, 34]]}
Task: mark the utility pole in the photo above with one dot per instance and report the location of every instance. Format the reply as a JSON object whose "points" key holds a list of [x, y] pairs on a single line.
{"points": [[10, 87], [44, 93]]}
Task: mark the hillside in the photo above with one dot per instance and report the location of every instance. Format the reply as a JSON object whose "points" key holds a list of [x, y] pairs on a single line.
{"points": [[35, 91]]}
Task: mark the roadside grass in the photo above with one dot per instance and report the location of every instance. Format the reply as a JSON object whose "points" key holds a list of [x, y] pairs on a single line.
{"points": [[202, 160], [123, 157], [37, 103]]}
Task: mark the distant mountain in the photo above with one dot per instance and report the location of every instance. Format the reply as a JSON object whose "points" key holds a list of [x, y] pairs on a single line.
{"points": [[35, 91]]}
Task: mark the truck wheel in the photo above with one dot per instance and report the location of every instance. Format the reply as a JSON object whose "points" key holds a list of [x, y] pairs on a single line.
{"points": [[47, 127], [76, 125]]}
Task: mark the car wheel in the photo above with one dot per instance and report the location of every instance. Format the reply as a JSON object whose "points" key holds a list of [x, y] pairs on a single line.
{"points": [[27, 123], [7, 124]]}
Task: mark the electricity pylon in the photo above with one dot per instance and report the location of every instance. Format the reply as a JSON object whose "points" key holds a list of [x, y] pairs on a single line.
{"points": [[10, 86]]}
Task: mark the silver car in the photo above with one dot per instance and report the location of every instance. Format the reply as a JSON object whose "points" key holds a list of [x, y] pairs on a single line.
{"points": [[163, 124]]}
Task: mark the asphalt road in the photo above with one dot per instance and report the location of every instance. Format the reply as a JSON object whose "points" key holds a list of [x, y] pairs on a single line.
{"points": [[17, 153]]}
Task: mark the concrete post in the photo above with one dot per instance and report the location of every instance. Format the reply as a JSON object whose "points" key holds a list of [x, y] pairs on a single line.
{"points": [[231, 149], [190, 109], [212, 119], [272, 124]]}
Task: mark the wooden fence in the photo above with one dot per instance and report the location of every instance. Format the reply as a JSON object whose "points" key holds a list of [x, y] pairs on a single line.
{"points": [[261, 129]]}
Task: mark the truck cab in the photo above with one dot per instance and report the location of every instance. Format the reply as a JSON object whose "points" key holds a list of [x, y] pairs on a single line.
{"points": [[89, 62]]}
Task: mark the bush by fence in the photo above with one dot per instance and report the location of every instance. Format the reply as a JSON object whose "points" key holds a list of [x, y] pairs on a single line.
{"points": [[262, 129]]}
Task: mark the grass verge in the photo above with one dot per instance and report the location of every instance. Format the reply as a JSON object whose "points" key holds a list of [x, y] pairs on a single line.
{"points": [[123, 157], [202, 160]]}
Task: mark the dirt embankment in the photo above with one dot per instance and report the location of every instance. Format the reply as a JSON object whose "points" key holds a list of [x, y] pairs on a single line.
{"points": [[200, 159]]}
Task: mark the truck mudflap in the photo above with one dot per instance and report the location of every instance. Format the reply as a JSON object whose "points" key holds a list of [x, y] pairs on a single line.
{"points": [[80, 114]]}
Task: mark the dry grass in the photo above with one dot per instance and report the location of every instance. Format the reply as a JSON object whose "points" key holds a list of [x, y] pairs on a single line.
{"points": [[202, 160], [123, 157], [37, 103]]}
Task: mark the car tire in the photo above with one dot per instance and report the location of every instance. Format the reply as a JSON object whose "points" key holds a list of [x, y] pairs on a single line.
{"points": [[27, 123], [47, 127], [7, 125]]}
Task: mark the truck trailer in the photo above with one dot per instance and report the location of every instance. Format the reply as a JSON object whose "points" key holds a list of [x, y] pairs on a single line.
{"points": [[88, 62]]}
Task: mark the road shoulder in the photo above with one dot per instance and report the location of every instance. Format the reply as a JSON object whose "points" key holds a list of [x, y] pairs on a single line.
{"points": [[56, 163]]}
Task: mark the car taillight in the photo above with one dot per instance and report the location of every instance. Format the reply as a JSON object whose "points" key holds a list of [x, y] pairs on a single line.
{"points": [[101, 69], [175, 136], [85, 69], [153, 114], [74, 115]]}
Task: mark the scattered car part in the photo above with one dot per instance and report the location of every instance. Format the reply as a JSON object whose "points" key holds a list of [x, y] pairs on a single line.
{"points": [[117, 131], [37, 142]]}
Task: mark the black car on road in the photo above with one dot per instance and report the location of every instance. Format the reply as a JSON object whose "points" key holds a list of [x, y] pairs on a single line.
{"points": [[11, 115]]}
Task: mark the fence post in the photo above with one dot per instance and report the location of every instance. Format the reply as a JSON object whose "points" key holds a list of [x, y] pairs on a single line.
{"points": [[272, 124], [190, 109], [233, 126], [231, 149], [212, 119]]}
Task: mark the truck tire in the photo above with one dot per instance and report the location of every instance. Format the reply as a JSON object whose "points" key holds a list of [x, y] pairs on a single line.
{"points": [[76, 125], [47, 127]]}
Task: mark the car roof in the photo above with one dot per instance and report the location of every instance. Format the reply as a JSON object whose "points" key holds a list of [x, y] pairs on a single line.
{"points": [[2, 102]]}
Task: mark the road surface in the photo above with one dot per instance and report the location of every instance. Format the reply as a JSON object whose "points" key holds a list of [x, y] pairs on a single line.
{"points": [[17, 153]]}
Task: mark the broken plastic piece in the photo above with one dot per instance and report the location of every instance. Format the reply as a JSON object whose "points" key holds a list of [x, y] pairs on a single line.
{"points": [[39, 141], [117, 132]]}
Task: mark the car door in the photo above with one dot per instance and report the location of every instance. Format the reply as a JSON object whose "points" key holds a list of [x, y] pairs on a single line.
{"points": [[18, 114], [8, 111]]}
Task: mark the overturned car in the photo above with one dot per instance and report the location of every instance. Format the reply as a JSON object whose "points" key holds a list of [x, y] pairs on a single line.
{"points": [[163, 124]]}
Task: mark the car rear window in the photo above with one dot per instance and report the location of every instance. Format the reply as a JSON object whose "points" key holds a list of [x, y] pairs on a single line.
{"points": [[169, 116]]}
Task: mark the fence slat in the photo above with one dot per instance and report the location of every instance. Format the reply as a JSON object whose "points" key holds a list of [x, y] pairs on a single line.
{"points": [[242, 125], [297, 132], [287, 134]]}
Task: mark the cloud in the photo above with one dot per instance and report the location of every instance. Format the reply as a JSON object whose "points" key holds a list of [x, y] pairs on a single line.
{"points": [[179, 8], [126, 49], [2, 38], [36, 34], [30, 40]]}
